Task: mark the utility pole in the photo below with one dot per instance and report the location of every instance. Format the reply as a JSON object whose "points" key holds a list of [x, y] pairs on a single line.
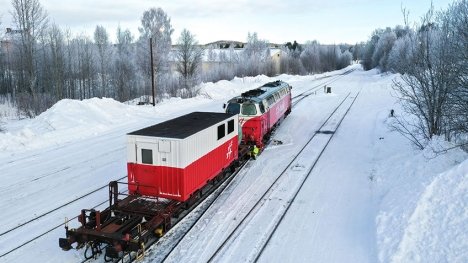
{"points": [[152, 70]]}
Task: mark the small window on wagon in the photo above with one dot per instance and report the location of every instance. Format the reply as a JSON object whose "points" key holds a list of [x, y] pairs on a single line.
{"points": [[221, 131], [230, 126], [147, 156]]}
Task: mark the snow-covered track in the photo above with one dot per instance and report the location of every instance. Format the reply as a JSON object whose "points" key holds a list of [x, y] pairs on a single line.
{"points": [[312, 90], [163, 249], [322, 137], [23, 224]]}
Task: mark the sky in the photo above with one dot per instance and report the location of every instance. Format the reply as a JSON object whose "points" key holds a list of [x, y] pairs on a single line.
{"points": [[277, 21]]}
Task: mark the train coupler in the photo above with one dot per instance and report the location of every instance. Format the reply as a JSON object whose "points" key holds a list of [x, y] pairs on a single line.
{"points": [[65, 244], [112, 252]]}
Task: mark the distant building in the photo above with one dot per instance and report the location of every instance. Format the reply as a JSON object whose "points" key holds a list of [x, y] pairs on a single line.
{"points": [[227, 53]]}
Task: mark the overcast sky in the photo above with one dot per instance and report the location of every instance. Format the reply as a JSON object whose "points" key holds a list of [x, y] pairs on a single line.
{"points": [[278, 21]]}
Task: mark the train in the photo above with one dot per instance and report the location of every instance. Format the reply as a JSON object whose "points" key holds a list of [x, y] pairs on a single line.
{"points": [[172, 164], [260, 110]]}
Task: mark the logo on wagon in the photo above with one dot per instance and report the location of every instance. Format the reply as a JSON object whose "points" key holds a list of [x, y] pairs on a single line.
{"points": [[229, 152]]}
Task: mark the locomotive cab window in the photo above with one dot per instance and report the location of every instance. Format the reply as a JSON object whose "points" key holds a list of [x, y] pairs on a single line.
{"points": [[249, 109], [221, 131], [230, 126], [147, 156], [233, 108]]}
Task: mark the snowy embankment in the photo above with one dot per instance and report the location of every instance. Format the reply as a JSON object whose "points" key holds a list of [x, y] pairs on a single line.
{"points": [[424, 207], [414, 203]]}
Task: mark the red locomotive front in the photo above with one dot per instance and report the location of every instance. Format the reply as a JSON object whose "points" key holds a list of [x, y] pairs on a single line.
{"points": [[260, 110], [176, 158]]}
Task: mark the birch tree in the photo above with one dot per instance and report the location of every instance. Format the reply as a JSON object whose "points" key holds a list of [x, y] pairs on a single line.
{"points": [[124, 74], [31, 19], [189, 57], [101, 40], [57, 56], [425, 88], [155, 25]]}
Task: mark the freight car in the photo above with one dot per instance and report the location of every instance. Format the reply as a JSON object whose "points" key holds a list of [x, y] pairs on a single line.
{"points": [[260, 110], [176, 158], [171, 165]]}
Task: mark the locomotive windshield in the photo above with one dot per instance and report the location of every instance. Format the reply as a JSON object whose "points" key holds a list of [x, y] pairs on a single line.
{"points": [[249, 109], [233, 108]]}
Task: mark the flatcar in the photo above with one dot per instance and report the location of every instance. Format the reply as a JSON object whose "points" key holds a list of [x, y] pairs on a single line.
{"points": [[260, 110]]}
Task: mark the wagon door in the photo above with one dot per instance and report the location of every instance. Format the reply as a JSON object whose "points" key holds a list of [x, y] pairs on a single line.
{"points": [[141, 170]]}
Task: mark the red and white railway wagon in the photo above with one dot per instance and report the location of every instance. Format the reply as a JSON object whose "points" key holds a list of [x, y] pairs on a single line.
{"points": [[174, 159], [260, 110]]}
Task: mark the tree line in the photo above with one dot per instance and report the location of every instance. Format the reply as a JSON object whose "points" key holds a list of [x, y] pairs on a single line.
{"points": [[40, 63], [432, 58]]}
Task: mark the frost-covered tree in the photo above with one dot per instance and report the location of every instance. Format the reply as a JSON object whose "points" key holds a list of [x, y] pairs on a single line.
{"points": [[310, 57], [85, 67], [4, 83], [382, 49], [211, 54], [255, 56], [344, 59], [124, 75], [429, 80], [454, 24], [367, 61], [155, 25], [31, 20], [57, 67], [400, 53], [189, 57], [101, 40]]}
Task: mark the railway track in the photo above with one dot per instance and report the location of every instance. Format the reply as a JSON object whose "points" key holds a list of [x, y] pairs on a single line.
{"points": [[32, 220], [299, 97], [163, 253], [213, 198], [327, 129]]}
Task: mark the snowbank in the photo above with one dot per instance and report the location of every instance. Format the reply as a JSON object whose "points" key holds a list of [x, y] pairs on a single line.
{"points": [[67, 120], [437, 228], [423, 201]]}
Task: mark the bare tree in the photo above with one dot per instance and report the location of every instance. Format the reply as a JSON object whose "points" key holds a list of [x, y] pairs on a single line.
{"points": [[71, 66], [3, 69], [156, 25], [310, 57], [189, 57], [382, 49], [425, 88], [56, 44], [31, 20], [101, 40], [85, 67], [256, 56], [124, 74], [454, 23]]}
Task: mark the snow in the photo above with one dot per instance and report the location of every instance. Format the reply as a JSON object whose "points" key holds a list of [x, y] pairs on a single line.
{"points": [[439, 221], [371, 197]]}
